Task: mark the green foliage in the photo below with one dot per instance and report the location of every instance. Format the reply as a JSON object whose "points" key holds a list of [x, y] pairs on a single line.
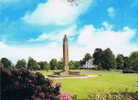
{"points": [[74, 64], [120, 62], [60, 64], [104, 59], [133, 61], [108, 59], [43, 65], [33, 65], [21, 64], [126, 62], [6, 62], [53, 64], [97, 56], [129, 71], [86, 58], [21, 84]]}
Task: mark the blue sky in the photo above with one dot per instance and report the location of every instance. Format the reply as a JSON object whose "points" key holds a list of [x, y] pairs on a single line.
{"points": [[36, 27]]}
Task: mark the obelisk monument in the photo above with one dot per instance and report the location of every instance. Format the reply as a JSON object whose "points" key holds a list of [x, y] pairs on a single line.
{"points": [[65, 54]]}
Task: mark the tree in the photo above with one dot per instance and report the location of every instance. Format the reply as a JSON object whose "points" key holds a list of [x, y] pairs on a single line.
{"points": [[133, 61], [43, 65], [74, 64], [21, 64], [60, 64], [53, 64], [86, 58], [126, 63], [108, 59], [6, 63], [120, 61], [32, 64], [97, 57]]}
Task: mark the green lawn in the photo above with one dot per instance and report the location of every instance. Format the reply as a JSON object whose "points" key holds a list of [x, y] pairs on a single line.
{"points": [[107, 81]]}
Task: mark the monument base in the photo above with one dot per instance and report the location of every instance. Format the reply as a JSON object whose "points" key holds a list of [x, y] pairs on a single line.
{"points": [[64, 73], [67, 74]]}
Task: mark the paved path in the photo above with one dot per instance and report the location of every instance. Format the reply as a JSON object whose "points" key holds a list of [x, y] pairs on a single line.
{"points": [[81, 77]]}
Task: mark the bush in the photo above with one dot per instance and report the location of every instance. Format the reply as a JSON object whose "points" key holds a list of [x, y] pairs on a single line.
{"points": [[129, 71], [20, 84]]}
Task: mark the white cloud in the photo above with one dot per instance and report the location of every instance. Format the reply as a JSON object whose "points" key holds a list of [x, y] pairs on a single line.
{"points": [[52, 50], [111, 12], [56, 35], [119, 41], [2, 45], [57, 12], [89, 39], [43, 53]]}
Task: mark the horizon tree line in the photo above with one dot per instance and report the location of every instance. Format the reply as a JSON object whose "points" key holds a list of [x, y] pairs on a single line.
{"points": [[102, 59]]}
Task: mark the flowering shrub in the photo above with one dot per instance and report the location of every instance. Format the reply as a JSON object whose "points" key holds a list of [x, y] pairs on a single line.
{"points": [[20, 84], [65, 96]]}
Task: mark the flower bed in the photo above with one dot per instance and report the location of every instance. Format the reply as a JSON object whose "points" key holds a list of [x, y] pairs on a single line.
{"points": [[20, 84]]}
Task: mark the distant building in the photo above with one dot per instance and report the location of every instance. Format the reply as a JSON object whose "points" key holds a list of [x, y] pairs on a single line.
{"points": [[89, 64]]}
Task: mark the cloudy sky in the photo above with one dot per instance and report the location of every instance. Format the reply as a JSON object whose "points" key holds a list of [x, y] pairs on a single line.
{"points": [[36, 27]]}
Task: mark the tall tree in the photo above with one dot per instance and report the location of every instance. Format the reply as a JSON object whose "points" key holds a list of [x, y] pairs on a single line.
{"points": [[53, 64], [86, 58], [97, 57], [120, 61], [32, 64], [43, 65], [108, 59], [74, 64], [21, 64], [60, 64], [133, 61], [126, 63], [6, 62]]}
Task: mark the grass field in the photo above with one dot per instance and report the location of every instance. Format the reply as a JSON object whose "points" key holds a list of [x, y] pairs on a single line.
{"points": [[107, 81]]}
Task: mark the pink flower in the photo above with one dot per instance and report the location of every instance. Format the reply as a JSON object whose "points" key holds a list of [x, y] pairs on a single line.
{"points": [[29, 81], [58, 84], [38, 87], [50, 80], [36, 98], [17, 83], [32, 75], [42, 94], [7, 71], [65, 96]]}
